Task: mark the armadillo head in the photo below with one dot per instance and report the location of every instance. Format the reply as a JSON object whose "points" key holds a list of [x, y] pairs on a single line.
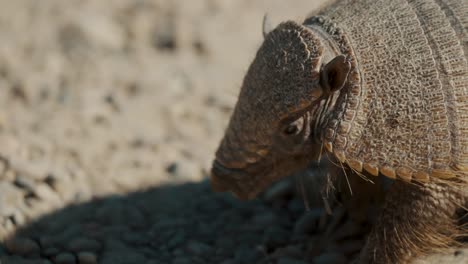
{"points": [[272, 129]]}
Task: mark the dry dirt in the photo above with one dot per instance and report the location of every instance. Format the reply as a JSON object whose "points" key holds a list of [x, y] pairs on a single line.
{"points": [[109, 109]]}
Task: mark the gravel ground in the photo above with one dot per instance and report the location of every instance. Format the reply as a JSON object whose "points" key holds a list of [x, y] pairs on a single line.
{"points": [[169, 225], [110, 112]]}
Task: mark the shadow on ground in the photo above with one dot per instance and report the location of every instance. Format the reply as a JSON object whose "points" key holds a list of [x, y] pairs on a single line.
{"points": [[188, 223]]}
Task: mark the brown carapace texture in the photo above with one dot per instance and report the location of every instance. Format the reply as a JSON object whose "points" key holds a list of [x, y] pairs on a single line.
{"points": [[380, 87]]}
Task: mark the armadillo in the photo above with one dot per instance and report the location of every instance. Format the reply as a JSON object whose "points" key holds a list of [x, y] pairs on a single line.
{"points": [[382, 88]]}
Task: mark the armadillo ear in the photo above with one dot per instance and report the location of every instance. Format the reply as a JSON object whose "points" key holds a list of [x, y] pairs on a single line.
{"points": [[333, 75], [266, 25]]}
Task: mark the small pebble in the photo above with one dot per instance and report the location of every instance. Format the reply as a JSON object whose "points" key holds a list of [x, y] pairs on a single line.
{"points": [[275, 236], [25, 183], [46, 241], [182, 260], [177, 239], [278, 191], [246, 255], [84, 244], [135, 217], [349, 247], [264, 219], [51, 252], [45, 193], [22, 246], [199, 248], [178, 252], [37, 170], [308, 223], [11, 198], [230, 261], [327, 258], [126, 255], [20, 260], [290, 250], [135, 239], [346, 230], [87, 258], [2, 250], [65, 258], [293, 261]]}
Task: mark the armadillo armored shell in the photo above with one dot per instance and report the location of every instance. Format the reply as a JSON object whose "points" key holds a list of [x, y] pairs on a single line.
{"points": [[404, 111]]}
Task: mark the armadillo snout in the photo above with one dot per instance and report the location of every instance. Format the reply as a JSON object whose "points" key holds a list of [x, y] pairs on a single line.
{"points": [[228, 179]]}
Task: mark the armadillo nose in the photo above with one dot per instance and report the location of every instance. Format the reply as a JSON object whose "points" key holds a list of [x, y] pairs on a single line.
{"points": [[226, 179], [220, 170], [220, 181], [217, 185]]}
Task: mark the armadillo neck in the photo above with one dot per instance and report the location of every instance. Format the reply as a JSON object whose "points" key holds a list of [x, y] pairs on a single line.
{"points": [[335, 42], [404, 110]]}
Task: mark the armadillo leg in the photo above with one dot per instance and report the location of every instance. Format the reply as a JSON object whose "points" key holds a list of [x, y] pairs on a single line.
{"points": [[416, 220]]}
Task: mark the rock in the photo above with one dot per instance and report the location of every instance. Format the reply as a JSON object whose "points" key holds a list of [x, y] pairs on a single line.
{"points": [[136, 239], [23, 246], [102, 31], [123, 256], [187, 170], [293, 251], [275, 236], [25, 183], [164, 35], [264, 219], [112, 212], [67, 233], [182, 260], [87, 258], [3, 166], [333, 257], [9, 225], [65, 258], [230, 261], [115, 244], [279, 190], [336, 218], [177, 239], [18, 218], [20, 260], [224, 244], [84, 244], [296, 207], [67, 188], [11, 199], [308, 223], [199, 248], [346, 230], [208, 205], [178, 252], [154, 261], [3, 250], [246, 255], [51, 252], [135, 217], [36, 170], [45, 193], [47, 241], [287, 260], [350, 247]]}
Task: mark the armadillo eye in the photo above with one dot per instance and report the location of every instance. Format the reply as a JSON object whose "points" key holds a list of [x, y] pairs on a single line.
{"points": [[291, 129], [295, 127]]}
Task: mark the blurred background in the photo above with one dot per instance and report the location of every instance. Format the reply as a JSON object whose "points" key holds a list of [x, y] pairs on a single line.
{"points": [[110, 113], [99, 97]]}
